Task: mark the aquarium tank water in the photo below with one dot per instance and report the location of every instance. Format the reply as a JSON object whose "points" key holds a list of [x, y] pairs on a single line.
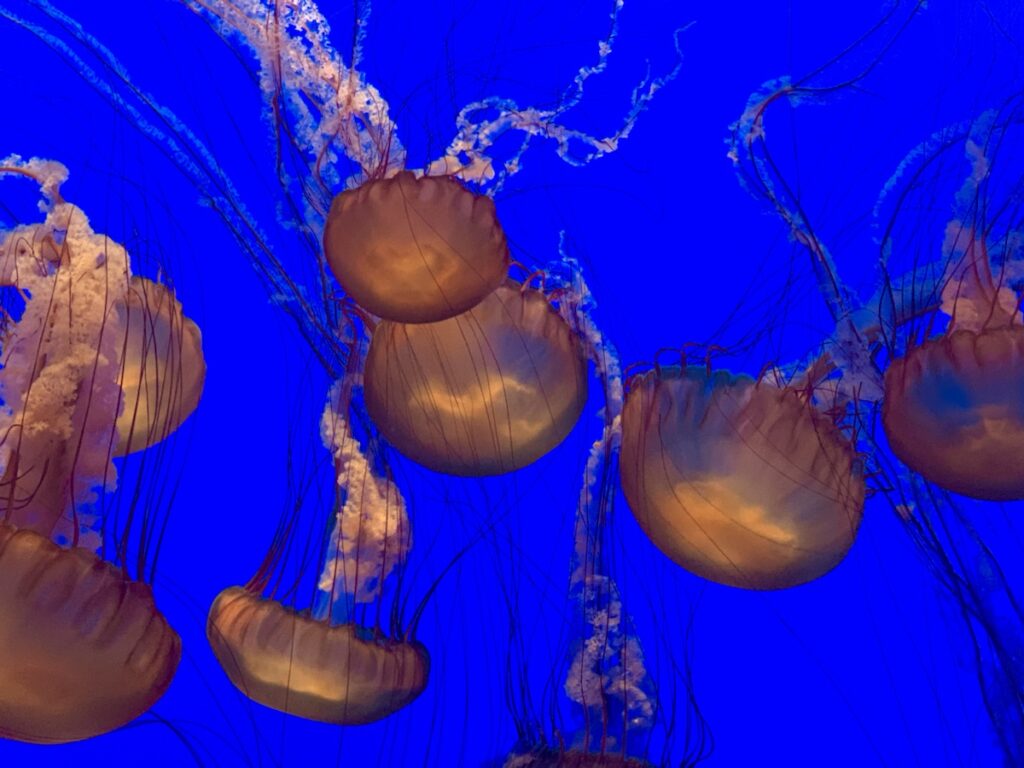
{"points": [[608, 383]]}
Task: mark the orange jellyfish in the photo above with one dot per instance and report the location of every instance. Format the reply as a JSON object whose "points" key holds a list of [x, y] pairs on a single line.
{"points": [[482, 393], [740, 482], [159, 341], [954, 405], [98, 364], [309, 668], [312, 664], [415, 250]]}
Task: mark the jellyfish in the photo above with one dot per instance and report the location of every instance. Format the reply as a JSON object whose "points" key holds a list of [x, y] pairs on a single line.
{"points": [[98, 364], [953, 378], [739, 481], [485, 392], [954, 404], [158, 339], [309, 668], [85, 651], [415, 250], [309, 663]]}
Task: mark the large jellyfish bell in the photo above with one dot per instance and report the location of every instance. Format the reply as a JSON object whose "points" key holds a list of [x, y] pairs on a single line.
{"points": [[740, 481], [98, 364], [482, 393]]}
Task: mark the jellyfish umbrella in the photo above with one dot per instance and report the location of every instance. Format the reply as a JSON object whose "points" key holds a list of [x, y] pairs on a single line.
{"points": [[84, 649], [163, 366], [415, 250], [309, 668], [482, 393], [738, 481], [954, 405]]}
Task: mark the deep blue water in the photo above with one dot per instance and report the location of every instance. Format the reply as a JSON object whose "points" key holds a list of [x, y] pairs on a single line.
{"points": [[870, 665]]}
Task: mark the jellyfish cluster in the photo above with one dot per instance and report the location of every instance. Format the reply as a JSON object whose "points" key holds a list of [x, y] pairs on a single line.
{"points": [[467, 372], [449, 355], [98, 363]]}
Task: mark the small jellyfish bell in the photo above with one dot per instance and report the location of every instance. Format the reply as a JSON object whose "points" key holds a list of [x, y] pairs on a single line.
{"points": [[483, 393], [742, 482], [954, 405], [305, 663], [415, 249], [159, 339], [97, 363], [307, 667]]}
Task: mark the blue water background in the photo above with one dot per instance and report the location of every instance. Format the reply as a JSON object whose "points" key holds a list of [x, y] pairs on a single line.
{"points": [[868, 666]]}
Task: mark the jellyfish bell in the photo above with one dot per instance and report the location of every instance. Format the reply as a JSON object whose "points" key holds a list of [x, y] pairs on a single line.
{"points": [[483, 393], [740, 482], [954, 405], [84, 650], [163, 368], [954, 412], [311, 669], [415, 250]]}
